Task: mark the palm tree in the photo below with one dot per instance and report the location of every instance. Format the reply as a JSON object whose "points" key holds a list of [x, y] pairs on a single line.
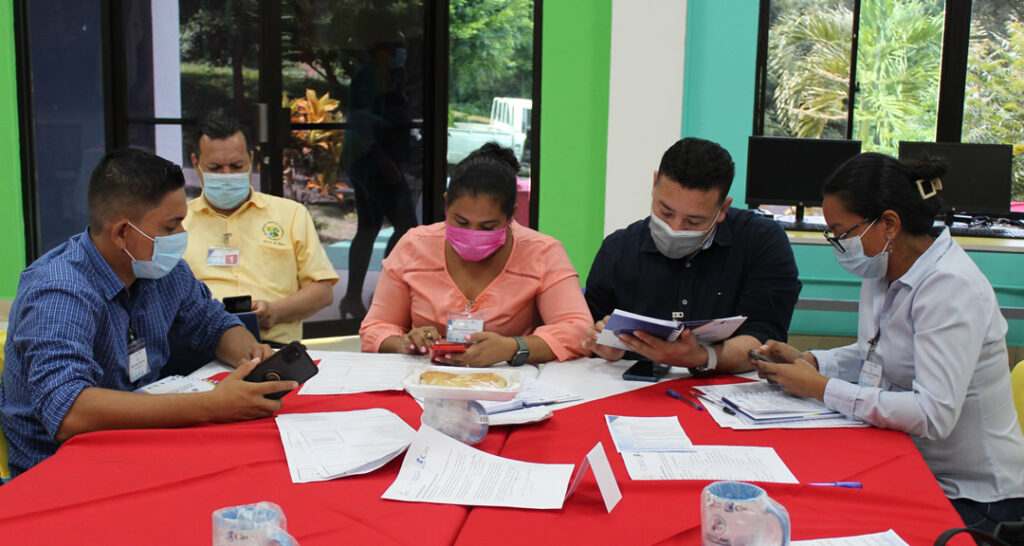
{"points": [[898, 62]]}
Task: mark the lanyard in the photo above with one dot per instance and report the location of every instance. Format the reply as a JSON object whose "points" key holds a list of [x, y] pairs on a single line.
{"points": [[872, 343], [131, 333]]}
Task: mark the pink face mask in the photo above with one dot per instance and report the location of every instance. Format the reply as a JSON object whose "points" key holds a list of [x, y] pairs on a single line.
{"points": [[474, 244]]}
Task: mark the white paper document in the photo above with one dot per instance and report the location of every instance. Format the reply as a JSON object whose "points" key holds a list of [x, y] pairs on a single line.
{"points": [[762, 401], [532, 414], [177, 384], [888, 538], [647, 433], [535, 393], [328, 445], [739, 421], [750, 464], [347, 373], [442, 470]]}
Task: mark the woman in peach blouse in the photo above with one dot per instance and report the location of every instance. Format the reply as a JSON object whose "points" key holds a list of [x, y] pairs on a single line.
{"points": [[479, 261]]}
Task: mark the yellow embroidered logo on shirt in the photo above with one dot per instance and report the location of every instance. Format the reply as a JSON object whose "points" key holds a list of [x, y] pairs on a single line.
{"points": [[273, 231]]}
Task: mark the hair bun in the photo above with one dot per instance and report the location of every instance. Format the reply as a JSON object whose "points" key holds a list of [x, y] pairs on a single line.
{"points": [[493, 150]]}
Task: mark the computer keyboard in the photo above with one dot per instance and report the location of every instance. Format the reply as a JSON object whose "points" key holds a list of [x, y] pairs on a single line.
{"points": [[1005, 232]]}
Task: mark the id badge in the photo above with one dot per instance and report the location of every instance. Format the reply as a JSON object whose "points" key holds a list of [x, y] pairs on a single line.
{"points": [[870, 374], [223, 256], [461, 325], [138, 364]]}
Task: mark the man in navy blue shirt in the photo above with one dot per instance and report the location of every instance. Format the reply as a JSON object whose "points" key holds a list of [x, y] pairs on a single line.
{"points": [[92, 318], [695, 258]]}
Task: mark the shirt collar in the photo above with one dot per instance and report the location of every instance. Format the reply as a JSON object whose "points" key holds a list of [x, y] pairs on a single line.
{"points": [[256, 199], [722, 236], [925, 263], [110, 284]]}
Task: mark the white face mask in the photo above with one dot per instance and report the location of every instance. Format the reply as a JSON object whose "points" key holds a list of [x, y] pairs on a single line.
{"points": [[856, 262], [676, 244]]}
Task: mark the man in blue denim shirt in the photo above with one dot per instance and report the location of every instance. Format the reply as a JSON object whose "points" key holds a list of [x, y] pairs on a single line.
{"points": [[92, 318]]}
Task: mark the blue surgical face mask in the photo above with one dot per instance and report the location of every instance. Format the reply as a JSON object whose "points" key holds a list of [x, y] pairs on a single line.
{"points": [[167, 251], [856, 262], [226, 191]]}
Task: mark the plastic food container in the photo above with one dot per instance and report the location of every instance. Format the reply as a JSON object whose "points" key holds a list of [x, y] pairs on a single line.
{"points": [[513, 378]]}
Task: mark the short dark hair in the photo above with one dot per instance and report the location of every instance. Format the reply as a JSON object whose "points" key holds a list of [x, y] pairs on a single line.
{"points": [[698, 164], [869, 184], [129, 182], [491, 171], [217, 126]]}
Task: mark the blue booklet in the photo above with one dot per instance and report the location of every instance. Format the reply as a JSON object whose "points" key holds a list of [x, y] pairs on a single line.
{"points": [[707, 331]]}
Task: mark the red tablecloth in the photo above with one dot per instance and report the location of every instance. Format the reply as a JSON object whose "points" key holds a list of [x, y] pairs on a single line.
{"points": [[161, 486], [899, 491]]}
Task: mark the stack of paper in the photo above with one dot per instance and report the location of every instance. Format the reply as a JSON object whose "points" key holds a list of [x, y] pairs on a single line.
{"points": [[442, 470], [762, 403], [657, 448], [177, 384], [888, 538], [347, 373], [535, 393], [324, 446]]}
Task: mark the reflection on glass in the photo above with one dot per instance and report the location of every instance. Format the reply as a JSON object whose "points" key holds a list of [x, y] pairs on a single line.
{"points": [[899, 59], [490, 90], [807, 87], [358, 70], [993, 111]]}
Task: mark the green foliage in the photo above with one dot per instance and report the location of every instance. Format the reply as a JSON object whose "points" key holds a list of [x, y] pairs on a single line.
{"points": [[490, 52], [897, 70], [994, 94]]}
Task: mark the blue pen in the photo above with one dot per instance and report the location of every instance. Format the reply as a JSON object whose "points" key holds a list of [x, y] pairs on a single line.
{"points": [[851, 485], [678, 396]]}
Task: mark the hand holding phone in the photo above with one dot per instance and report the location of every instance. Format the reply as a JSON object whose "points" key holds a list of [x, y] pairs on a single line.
{"points": [[290, 363], [441, 348], [758, 356]]}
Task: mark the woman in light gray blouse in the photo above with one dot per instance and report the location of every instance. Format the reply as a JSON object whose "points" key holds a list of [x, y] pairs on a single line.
{"points": [[930, 358]]}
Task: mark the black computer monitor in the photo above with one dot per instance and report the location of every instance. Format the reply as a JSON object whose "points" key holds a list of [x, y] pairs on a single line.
{"points": [[790, 171], [978, 178]]}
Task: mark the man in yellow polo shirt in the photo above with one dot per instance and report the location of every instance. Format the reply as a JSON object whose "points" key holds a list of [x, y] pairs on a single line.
{"points": [[244, 242]]}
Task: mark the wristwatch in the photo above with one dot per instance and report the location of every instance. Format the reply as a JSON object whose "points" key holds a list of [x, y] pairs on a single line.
{"points": [[708, 366], [522, 353]]}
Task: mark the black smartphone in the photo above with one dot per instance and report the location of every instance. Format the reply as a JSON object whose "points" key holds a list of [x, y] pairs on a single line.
{"points": [[289, 363], [238, 304], [758, 356], [645, 370]]}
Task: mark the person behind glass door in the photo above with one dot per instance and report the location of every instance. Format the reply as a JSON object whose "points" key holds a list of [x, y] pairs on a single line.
{"points": [[245, 242], [519, 283], [376, 145], [930, 358], [92, 318], [695, 258]]}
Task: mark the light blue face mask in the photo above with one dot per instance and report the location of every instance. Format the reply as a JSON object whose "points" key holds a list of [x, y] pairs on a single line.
{"points": [[855, 261], [167, 251], [226, 191]]}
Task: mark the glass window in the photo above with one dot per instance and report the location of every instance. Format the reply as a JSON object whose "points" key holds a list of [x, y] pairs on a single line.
{"points": [[67, 110], [994, 92], [352, 80], [808, 72], [491, 83], [899, 56]]}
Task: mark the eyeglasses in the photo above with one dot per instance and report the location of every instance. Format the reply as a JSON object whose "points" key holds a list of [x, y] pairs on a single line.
{"points": [[834, 239]]}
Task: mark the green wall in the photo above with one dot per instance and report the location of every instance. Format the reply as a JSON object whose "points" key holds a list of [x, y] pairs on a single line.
{"points": [[718, 98], [575, 61], [12, 225]]}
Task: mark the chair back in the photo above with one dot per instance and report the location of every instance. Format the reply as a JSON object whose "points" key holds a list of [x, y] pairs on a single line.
{"points": [[1017, 383], [5, 470]]}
